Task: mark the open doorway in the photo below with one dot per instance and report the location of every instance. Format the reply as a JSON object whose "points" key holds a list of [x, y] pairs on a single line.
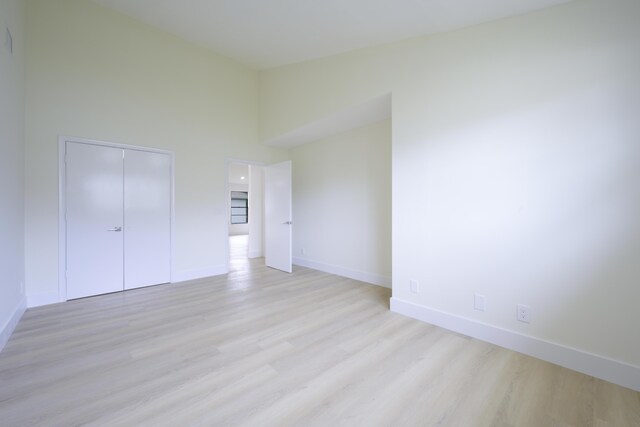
{"points": [[238, 215], [245, 213]]}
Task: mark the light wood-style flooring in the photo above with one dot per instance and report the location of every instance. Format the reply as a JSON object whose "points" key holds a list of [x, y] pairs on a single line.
{"points": [[258, 347]]}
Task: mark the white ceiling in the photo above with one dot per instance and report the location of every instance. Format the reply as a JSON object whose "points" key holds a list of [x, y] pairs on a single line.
{"points": [[270, 33]]}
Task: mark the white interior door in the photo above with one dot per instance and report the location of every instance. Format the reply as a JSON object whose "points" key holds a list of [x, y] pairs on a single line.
{"points": [[94, 219], [147, 218], [277, 216]]}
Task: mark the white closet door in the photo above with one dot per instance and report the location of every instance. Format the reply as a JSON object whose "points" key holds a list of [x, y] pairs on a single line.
{"points": [[94, 219], [147, 214]]}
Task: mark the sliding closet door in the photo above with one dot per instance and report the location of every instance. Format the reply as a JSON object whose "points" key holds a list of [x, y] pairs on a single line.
{"points": [[147, 216], [94, 219]]}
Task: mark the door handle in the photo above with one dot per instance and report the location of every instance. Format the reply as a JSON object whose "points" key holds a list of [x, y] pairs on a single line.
{"points": [[287, 223], [115, 229]]}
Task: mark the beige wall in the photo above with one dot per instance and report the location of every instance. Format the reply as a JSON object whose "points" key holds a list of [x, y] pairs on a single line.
{"points": [[11, 166], [516, 166], [342, 203], [96, 74]]}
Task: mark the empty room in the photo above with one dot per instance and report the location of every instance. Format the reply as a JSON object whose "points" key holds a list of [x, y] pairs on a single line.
{"points": [[340, 212]]}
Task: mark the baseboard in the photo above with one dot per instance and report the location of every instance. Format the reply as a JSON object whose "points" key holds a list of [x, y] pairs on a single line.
{"points": [[601, 367], [12, 322], [254, 254], [44, 298], [199, 273], [180, 276], [362, 276]]}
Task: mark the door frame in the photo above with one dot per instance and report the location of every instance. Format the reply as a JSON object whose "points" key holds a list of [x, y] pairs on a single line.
{"points": [[227, 203], [62, 203]]}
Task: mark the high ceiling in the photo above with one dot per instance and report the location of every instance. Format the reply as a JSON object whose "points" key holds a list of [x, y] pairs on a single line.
{"points": [[270, 33]]}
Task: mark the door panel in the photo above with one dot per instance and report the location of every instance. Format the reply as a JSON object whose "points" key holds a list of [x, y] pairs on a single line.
{"points": [[94, 213], [277, 215], [147, 214]]}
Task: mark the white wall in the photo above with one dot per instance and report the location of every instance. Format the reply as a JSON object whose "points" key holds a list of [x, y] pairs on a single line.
{"points": [[516, 168], [96, 74], [342, 204], [237, 229], [12, 301]]}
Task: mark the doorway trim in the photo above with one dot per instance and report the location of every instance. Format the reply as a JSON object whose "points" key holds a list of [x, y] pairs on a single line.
{"points": [[228, 161], [62, 203]]}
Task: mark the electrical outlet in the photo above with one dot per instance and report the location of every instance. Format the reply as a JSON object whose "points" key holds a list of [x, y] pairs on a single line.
{"points": [[524, 313], [414, 286], [479, 302], [303, 251]]}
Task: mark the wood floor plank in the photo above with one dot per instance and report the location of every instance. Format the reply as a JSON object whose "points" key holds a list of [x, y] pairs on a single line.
{"points": [[262, 347]]}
